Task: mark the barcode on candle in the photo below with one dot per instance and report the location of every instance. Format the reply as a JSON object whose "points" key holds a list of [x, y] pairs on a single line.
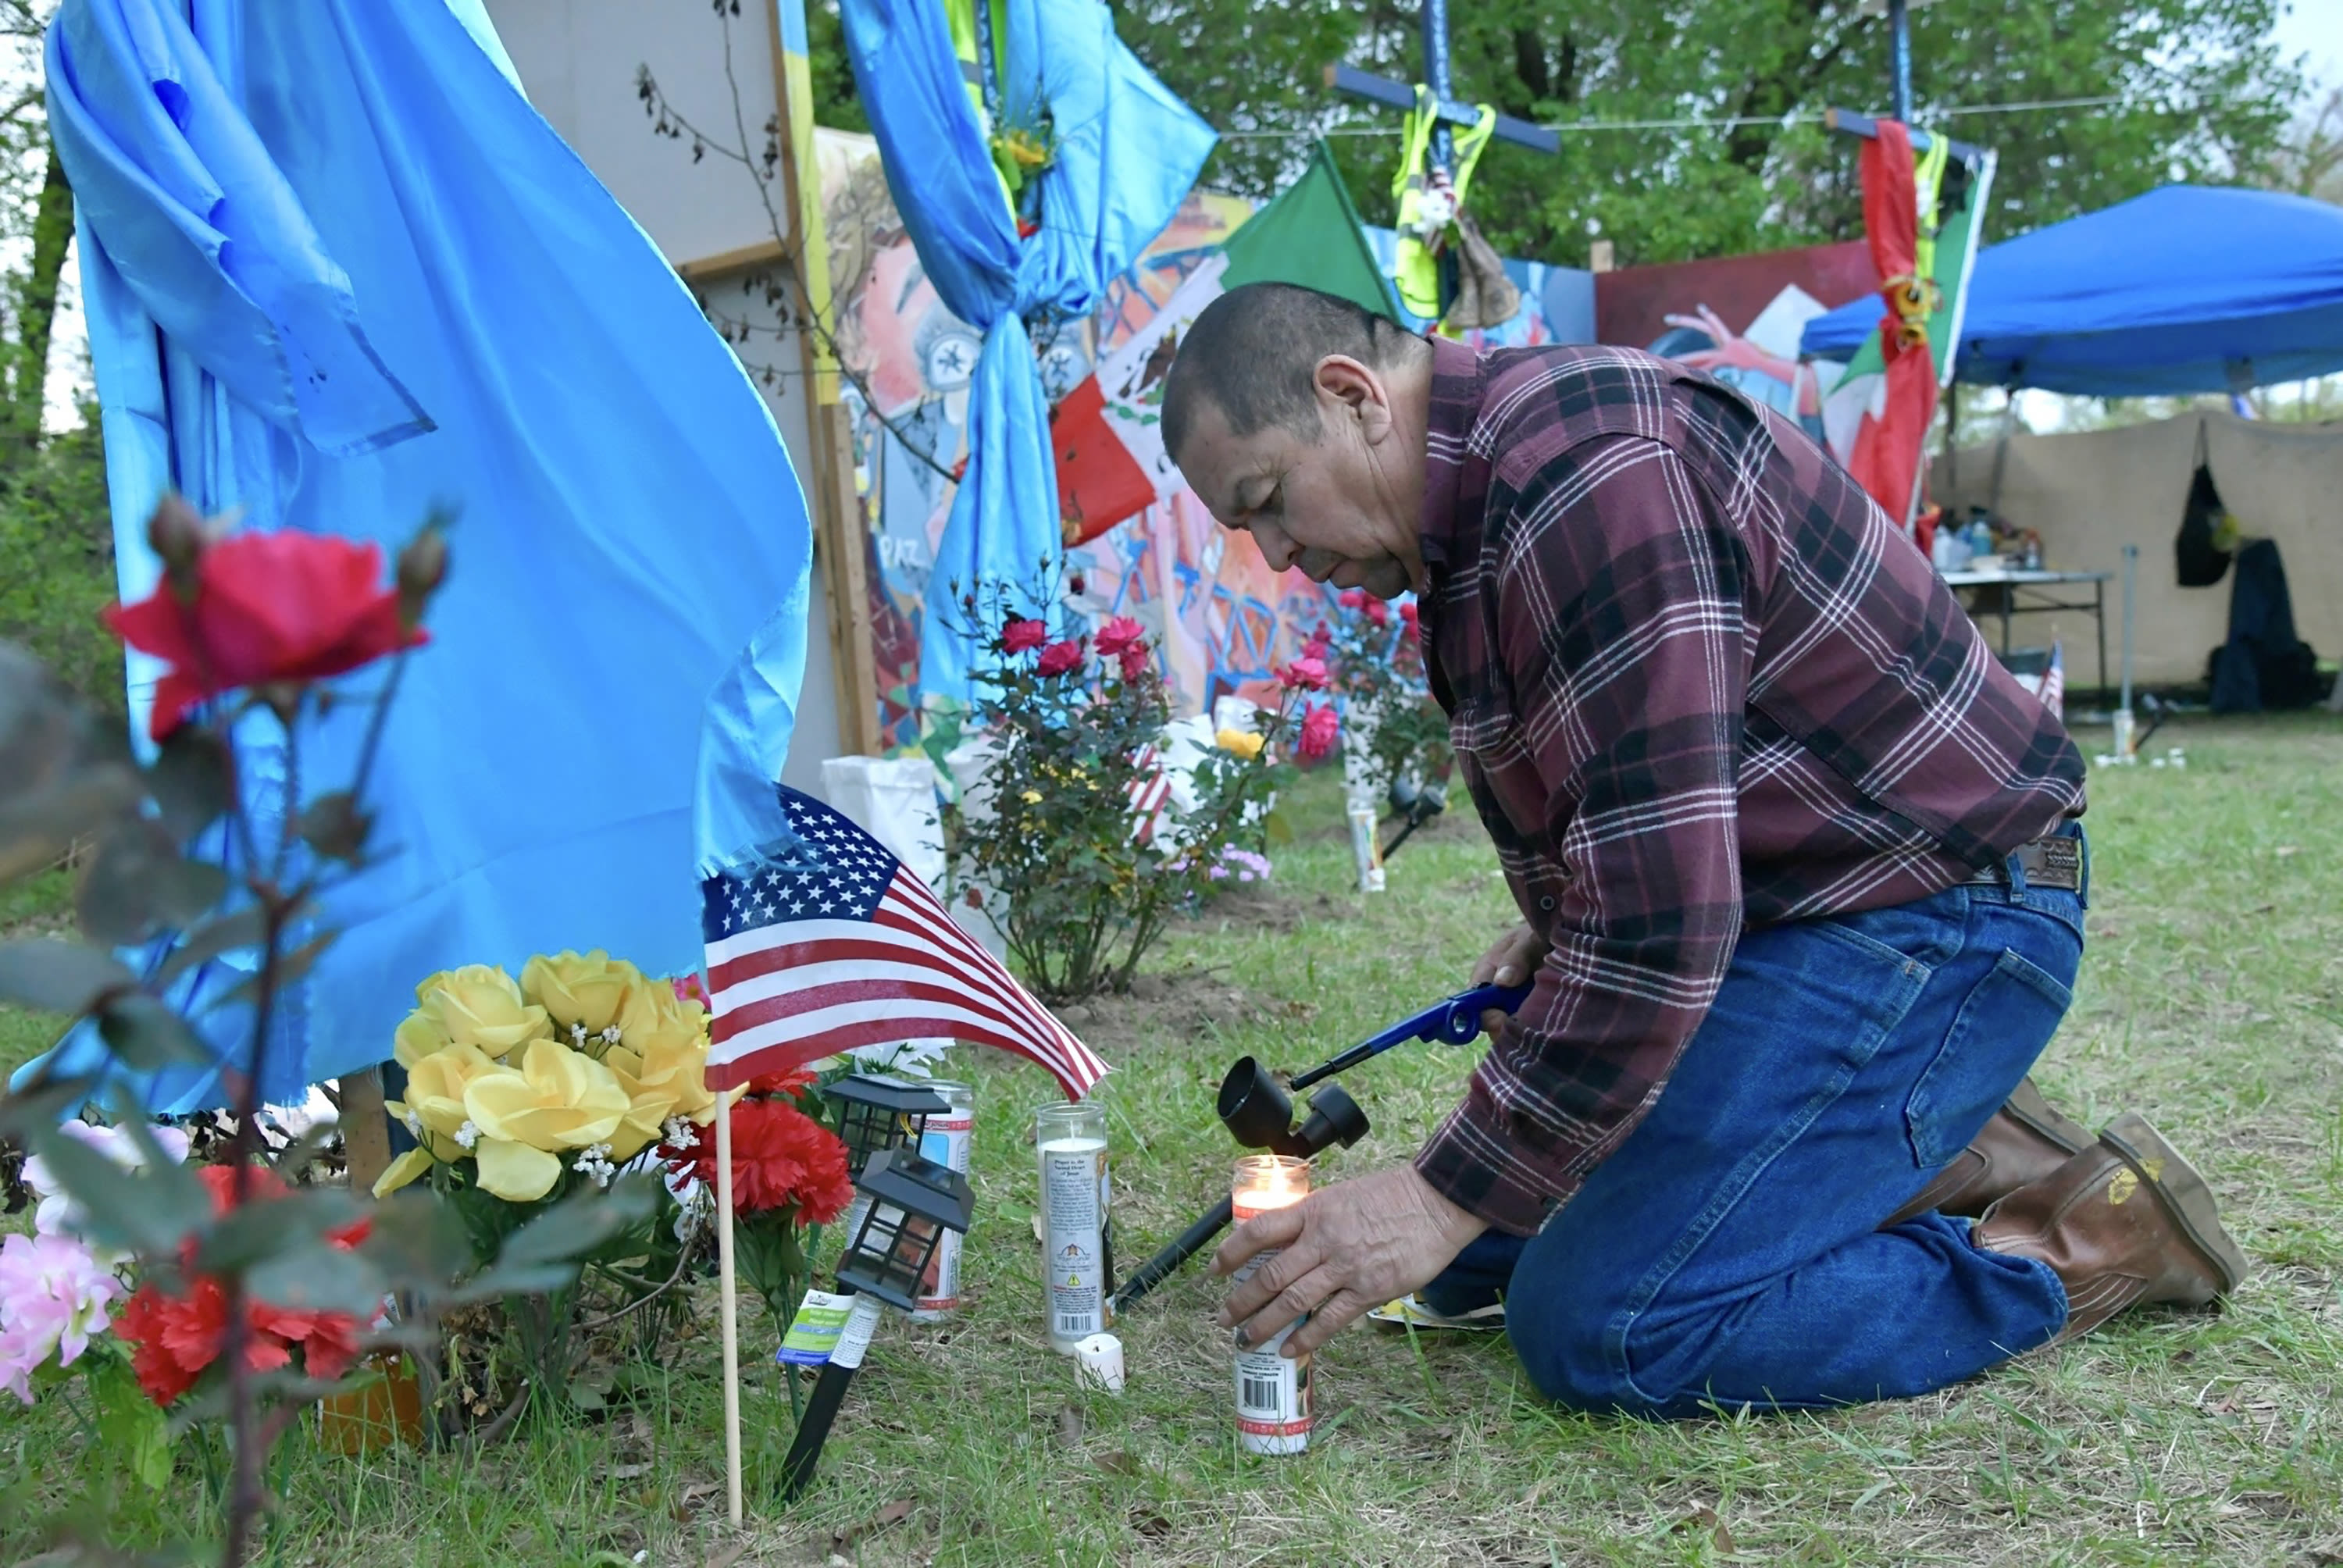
{"points": [[1077, 1324], [1260, 1395]]}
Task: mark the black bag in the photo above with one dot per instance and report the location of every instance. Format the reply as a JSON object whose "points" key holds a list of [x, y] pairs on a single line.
{"points": [[2199, 563]]}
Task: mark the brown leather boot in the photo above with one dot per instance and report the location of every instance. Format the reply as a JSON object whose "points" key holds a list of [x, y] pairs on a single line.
{"points": [[2024, 1142], [2124, 1222]]}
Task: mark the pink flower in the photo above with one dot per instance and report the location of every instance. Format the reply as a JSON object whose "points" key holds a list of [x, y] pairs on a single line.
{"points": [[1020, 635], [1305, 674], [53, 1297], [1378, 613], [1351, 598], [1118, 634], [1319, 728], [1317, 648], [1060, 658], [1134, 661]]}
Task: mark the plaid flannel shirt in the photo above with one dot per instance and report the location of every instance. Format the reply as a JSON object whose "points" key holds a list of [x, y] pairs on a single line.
{"points": [[1697, 682]]}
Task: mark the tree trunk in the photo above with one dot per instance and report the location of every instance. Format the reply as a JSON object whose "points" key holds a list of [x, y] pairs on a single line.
{"points": [[36, 310]]}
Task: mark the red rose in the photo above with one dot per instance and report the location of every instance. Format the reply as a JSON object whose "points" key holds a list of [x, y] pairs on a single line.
{"points": [[973, 899], [1351, 598], [780, 1156], [1134, 661], [1304, 673], [1378, 614], [263, 607], [1020, 635], [1319, 728], [1119, 633], [1061, 657], [1408, 613], [1077, 585], [1317, 648]]}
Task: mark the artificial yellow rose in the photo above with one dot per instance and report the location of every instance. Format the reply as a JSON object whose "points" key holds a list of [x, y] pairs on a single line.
{"points": [[1241, 742], [653, 1013], [435, 1086], [662, 1080], [403, 1169], [515, 1171], [581, 990], [416, 1037], [559, 1100], [479, 1005]]}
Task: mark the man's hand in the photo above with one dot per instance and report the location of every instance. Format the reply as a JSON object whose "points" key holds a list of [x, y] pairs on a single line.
{"points": [[1347, 1249], [1511, 961]]}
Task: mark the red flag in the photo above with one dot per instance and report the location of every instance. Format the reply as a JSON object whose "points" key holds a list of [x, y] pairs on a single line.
{"points": [[1887, 456]]}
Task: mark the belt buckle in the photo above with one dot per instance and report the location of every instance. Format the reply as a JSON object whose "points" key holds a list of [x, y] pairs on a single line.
{"points": [[2060, 858]]}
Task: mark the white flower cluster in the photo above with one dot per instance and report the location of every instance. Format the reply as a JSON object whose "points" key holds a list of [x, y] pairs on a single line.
{"points": [[678, 1133], [469, 1135], [593, 1163]]}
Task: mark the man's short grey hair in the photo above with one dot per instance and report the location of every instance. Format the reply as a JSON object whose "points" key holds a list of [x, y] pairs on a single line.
{"points": [[1254, 355]]}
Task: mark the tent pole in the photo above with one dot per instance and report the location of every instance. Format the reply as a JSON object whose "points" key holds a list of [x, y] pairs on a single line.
{"points": [[2131, 583]]}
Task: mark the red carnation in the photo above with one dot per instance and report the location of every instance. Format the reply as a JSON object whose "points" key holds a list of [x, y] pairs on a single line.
{"points": [[259, 609], [175, 1338], [1060, 658], [780, 1157], [1305, 674], [1020, 635], [1319, 728], [1119, 633]]}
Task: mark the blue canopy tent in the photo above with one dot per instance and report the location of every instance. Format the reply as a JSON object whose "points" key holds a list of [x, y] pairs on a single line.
{"points": [[2188, 288], [338, 272]]}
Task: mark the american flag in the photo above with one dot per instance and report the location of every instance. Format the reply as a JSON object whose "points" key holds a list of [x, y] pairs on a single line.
{"points": [[829, 942], [1148, 791], [2053, 681]]}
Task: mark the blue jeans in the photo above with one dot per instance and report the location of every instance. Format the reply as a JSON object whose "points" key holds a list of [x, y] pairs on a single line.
{"points": [[1729, 1254]]}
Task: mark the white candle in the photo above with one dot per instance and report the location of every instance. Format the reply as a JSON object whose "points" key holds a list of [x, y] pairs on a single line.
{"points": [[1273, 1393]]}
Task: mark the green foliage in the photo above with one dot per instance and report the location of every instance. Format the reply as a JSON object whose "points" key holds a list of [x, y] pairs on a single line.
{"points": [[2204, 95], [57, 561]]}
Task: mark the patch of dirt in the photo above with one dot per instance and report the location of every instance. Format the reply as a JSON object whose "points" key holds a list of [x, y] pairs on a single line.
{"points": [[1183, 1005], [1268, 906]]}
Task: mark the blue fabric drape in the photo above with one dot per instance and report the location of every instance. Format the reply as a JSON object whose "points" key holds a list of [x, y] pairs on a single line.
{"points": [[338, 272], [1125, 153]]}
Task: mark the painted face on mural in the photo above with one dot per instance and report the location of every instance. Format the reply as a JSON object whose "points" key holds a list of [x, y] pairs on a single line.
{"points": [[1345, 508]]}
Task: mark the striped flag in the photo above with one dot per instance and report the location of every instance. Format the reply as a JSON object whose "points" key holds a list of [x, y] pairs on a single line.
{"points": [[827, 941], [2053, 681], [1149, 791]]}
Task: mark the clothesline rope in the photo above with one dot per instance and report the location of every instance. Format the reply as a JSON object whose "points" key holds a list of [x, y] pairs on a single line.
{"points": [[1718, 123]]}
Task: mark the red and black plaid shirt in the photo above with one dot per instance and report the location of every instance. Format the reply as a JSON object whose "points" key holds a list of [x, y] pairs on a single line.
{"points": [[1697, 682]]}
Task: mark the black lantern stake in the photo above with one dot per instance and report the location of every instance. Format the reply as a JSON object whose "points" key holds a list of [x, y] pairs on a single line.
{"points": [[906, 1204], [876, 1114]]}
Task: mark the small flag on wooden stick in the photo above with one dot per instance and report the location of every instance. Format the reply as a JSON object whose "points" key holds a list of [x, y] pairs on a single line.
{"points": [[828, 942], [2054, 682]]}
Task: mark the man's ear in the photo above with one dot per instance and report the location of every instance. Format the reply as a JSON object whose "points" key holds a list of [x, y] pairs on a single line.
{"points": [[1350, 391]]}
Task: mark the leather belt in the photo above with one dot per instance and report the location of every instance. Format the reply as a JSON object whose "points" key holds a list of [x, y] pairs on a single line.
{"points": [[2053, 862]]}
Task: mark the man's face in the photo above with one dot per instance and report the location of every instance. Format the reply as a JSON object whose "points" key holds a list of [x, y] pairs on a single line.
{"points": [[1329, 506]]}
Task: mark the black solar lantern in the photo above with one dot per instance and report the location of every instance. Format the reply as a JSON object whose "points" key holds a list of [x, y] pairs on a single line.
{"points": [[905, 1205], [876, 1114], [914, 1202]]}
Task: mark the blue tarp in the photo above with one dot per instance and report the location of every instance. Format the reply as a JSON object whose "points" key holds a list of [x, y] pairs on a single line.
{"points": [[2188, 288], [338, 272], [1123, 153]]}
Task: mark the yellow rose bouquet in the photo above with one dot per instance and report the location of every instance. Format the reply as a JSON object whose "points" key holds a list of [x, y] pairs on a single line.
{"points": [[524, 1088], [522, 1093]]}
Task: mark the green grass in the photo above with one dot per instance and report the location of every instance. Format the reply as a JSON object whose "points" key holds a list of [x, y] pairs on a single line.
{"points": [[2211, 999]]}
